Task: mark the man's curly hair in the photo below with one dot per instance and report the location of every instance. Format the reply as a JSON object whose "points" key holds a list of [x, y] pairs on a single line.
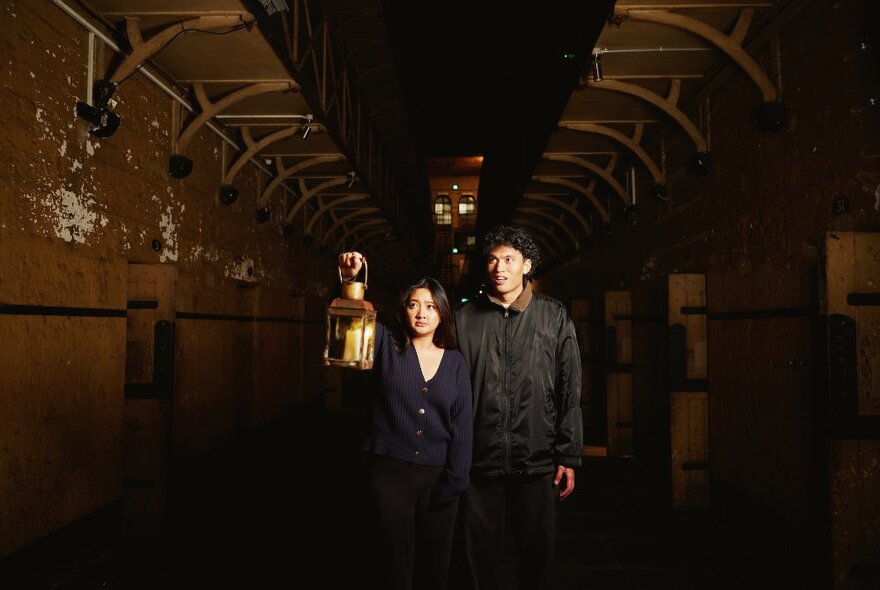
{"points": [[518, 239]]}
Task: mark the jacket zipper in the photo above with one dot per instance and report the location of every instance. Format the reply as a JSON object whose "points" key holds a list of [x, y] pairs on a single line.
{"points": [[506, 451]]}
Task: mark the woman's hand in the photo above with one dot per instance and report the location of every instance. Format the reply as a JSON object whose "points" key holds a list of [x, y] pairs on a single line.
{"points": [[350, 264]]}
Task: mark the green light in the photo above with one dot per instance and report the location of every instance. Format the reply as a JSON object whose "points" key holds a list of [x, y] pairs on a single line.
{"points": [[455, 250], [464, 299]]}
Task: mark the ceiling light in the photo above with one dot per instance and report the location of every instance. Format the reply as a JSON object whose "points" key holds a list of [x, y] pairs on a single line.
{"points": [[308, 126]]}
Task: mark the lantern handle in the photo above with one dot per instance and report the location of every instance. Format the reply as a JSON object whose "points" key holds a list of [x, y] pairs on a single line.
{"points": [[366, 273]]}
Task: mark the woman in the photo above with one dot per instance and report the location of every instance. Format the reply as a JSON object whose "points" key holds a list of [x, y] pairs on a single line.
{"points": [[419, 442]]}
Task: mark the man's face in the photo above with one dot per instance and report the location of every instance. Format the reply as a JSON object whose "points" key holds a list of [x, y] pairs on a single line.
{"points": [[506, 268]]}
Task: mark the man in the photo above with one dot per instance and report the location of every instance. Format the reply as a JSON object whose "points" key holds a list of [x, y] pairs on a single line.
{"points": [[526, 374]]}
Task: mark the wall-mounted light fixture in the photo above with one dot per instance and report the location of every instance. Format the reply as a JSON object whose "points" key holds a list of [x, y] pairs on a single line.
{"points": [[596, 64], [228, 194], [455, 186], [103, 122]]}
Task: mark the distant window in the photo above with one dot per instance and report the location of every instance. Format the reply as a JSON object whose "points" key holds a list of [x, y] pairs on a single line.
{"points": [[443, 210], [467, 211], [467, 205], [465, 242]]}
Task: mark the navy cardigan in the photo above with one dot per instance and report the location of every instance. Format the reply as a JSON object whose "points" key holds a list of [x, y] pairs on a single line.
{"points": [[427, 423]]}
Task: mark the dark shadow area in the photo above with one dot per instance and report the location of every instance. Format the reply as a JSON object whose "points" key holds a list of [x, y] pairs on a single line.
{"points": [[288, 506]]}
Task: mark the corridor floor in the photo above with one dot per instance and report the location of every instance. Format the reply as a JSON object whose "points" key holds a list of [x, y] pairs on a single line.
{"points": [[288, 507]]}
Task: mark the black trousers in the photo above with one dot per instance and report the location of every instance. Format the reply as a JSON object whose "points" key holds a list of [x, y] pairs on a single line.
{"points": [[522, 508], [415, 537]]}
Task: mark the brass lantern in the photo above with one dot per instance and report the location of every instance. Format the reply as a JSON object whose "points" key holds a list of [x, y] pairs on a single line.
{"points": [[351, 327]]}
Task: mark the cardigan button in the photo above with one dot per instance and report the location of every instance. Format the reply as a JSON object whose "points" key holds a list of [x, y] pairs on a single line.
{"points": [[418, 433], [416, 454], [424, 389], [421, 411]]}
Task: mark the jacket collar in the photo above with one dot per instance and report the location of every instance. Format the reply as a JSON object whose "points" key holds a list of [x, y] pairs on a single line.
{"points": [[521, 302]]}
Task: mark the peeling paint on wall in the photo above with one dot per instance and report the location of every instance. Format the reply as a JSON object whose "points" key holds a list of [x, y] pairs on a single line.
{"points": [[169, 235], [71, 215], [200, 253], [243, 269]]}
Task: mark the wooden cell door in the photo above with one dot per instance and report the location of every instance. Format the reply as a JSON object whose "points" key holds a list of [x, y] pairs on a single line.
{"points": [[618, 374], [689, 398], [851, 301], [148, 387]]}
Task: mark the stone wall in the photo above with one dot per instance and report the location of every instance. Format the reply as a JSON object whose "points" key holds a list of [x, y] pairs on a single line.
{"points": [[76, 211], [756, 227]]}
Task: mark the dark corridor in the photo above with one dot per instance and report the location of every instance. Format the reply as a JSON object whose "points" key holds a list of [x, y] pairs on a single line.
{"points": [[286, 509]]}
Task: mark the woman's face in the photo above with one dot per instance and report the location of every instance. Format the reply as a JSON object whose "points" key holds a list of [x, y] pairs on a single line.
{"points": [[421, 313]]}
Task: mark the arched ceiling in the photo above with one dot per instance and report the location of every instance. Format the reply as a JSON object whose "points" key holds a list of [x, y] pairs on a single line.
{"points": [[340, 101], [310, 98], [652, 67]]}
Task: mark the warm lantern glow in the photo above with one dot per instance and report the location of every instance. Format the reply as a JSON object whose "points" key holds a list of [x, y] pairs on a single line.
{"points": [[351, 329]]}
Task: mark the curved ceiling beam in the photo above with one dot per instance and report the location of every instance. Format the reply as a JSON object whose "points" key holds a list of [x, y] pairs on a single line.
{"points": [[285, 173], [346, 218], [352, 220], [180, 166], [631, 143], [571, 208], [541, 213], [667, 105], [334, 203], [384, 231], [309, 193], [540, 234], [603, 173], [585, 191], [356, 228], [143, 50], [254, 147], [729, 44]]}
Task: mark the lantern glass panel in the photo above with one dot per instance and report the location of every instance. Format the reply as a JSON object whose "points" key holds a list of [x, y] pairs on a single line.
{"points": [[350, 338]]}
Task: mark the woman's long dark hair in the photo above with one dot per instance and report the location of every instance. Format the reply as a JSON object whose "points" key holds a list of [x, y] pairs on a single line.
{"points": [[444, 337]]}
